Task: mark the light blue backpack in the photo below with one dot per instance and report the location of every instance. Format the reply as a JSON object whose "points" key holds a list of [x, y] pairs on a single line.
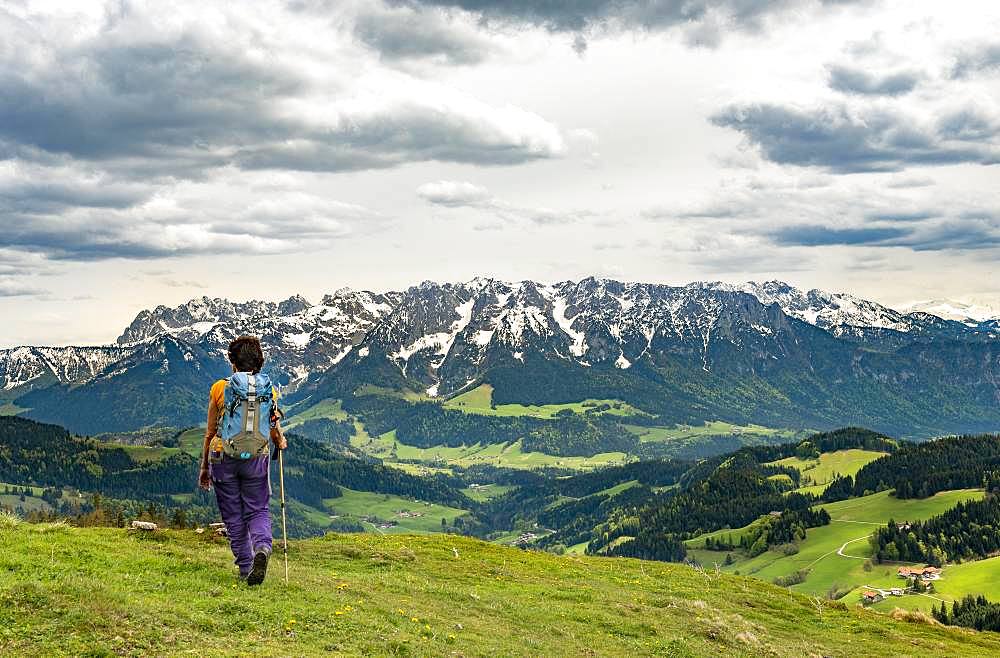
{"points": [[246, 416]]}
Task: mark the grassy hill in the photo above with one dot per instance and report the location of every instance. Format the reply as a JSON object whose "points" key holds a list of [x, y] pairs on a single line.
{"points": [[69, 591], [818, 473], [852, 521]]}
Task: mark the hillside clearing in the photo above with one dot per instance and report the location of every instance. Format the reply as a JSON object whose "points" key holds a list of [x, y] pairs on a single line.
{"points": [[480, 401], [818, 473], [853, 520], [408, 516]]}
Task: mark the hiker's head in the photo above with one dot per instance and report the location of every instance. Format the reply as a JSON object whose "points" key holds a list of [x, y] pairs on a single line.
{"points": [[246, 355]]}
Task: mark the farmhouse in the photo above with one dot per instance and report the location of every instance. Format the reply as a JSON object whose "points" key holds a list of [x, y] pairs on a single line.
{"points": [[923, 573], [868, 596]]}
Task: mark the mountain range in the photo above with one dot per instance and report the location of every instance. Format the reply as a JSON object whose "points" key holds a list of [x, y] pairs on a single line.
{"points": [[764, 353]]}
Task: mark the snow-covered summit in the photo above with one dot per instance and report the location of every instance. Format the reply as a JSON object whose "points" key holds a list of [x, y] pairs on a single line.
{"points": [[446, 334], [965, 312]]}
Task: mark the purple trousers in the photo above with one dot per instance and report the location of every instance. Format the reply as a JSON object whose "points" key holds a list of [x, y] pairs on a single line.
{"points": [[243, 491]]}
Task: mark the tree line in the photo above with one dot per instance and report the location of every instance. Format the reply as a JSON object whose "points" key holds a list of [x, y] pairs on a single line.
{"points": [[971, 612], [970, 530], [918, 470]]}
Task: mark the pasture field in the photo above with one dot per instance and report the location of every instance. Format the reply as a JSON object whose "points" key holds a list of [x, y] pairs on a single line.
{"points": [[509, 455], [617, 489], [713, 428], [817, 474], [957, 580], [485, 492], [145, 454], [411, 516], [480, 401], [324, 409], [35, 491], [853, 521], [190, 440], [29, 504]]}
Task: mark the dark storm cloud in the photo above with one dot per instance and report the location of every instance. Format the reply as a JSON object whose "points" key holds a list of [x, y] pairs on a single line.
{"points": [[904, 216], [414, 33], [955, 234], [967, 230], [182, 99], [576, 15], [32, 196], [408, 132], [971, 124], [281, 223], [875, 139], [850, 80], [983, 58], [178, 104], [815, 235]]}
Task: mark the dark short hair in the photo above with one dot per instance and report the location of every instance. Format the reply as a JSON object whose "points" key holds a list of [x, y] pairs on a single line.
{"points": [[246, 354]]}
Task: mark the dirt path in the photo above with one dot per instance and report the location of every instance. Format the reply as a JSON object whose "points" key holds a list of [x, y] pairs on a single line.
{"points": [[840, 551]]}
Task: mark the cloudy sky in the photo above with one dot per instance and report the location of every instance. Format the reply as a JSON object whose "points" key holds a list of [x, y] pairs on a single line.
{"points": [[152, 153]]}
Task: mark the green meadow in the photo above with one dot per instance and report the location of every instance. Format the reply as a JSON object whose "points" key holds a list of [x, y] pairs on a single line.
{"points": [[410, 516], [852, 522], [818, 473], [325, 409], [509, 455], [710, 428], [103, 592], [957, 580], [480, 401], [485, 492]]}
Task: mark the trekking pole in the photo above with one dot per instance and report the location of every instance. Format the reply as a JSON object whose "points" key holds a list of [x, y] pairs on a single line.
{"points": [[284, 528]]}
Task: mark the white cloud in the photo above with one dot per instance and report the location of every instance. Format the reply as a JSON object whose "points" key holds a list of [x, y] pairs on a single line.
{"points": [[462, 194], [454, 193]]}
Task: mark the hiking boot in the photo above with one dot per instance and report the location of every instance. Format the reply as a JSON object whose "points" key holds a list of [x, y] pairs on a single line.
{"points": [[259, 568]]}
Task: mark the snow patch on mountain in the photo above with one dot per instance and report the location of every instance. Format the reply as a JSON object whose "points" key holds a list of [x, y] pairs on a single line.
{"points": [[823, 309], [965, 312], [578, 346]]}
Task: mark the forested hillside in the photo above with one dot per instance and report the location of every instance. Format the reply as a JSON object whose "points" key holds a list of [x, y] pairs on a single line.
{"points": [[37, 454], [918, 470]]}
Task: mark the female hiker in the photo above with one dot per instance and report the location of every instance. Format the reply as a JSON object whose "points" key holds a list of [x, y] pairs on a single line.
{"points": [[242, 414]]}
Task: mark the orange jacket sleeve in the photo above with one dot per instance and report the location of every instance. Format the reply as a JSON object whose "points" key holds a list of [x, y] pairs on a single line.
{"points": [[216, 399]]}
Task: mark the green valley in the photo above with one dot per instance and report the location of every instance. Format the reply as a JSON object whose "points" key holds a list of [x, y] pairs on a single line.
{"points": [[378, 423]]}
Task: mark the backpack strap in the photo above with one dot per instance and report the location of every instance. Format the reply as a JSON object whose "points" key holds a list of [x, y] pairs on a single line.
{"points": [[250, 406]]}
